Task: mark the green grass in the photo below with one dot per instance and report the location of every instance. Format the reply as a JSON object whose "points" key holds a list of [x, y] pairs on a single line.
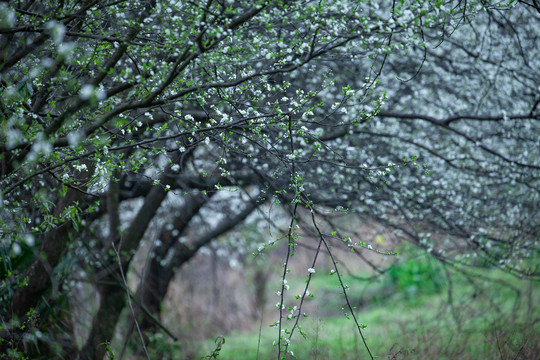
{"points": [[485, 322], [408, 314]]}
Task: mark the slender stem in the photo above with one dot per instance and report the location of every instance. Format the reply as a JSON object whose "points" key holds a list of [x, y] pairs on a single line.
{"points": [[129, 301]]}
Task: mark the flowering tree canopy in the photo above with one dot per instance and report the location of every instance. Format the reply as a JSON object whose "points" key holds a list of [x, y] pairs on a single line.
{"points": [[116, 117]]}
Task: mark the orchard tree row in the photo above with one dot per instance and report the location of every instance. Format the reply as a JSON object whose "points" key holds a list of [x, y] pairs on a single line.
{"points": [[118, 118]]}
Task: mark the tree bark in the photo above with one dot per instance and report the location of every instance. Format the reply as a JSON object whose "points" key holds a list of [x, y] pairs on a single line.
{"points": [[159, 276], [113, 292]]}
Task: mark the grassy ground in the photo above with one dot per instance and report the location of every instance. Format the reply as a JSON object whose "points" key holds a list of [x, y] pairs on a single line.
{"points": [[399, 331], [492, 319], [417, 310]]}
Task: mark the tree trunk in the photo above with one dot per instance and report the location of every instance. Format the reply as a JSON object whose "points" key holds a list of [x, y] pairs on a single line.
{"points": [[113, 293], [157, 277], [112, 301]]}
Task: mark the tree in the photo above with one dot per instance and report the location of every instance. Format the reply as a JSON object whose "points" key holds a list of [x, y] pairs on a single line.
{"points": [[422, 116]]}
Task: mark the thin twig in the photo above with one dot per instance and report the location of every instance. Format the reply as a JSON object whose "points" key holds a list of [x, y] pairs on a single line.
{"points": [[344, 288], [129, 300]]}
